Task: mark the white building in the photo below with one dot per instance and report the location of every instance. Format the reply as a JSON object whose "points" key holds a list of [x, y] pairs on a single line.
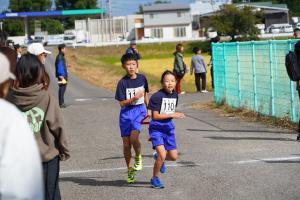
{"points": [[167, 21]]}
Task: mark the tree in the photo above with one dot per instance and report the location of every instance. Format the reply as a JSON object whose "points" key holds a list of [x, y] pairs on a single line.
{"points": [[14, 27], [73, 5], [29, 5], [233, 21], [52, 26]]}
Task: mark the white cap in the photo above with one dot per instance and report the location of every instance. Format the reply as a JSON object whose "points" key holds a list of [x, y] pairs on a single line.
{"points": [[37, 49], [5, 73]]}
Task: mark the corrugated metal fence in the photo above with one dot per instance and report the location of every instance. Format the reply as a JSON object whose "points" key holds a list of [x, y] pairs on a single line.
{"points": [[252, 75]]}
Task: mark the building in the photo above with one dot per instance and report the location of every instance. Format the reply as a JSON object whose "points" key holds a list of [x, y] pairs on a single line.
{"points": [[273, 13], [167, 21]]}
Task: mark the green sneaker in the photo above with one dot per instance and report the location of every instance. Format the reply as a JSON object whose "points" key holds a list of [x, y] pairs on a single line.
{"points": [[138, 163], [131, 174]]}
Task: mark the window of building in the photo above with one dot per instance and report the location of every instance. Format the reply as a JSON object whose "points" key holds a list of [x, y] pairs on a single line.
{"points": [[151, 16], [179, 32], [178, 14], [157, 32]]}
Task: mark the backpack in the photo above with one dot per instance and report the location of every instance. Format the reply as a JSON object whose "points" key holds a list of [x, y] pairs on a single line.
{"points": [[292, 66]]}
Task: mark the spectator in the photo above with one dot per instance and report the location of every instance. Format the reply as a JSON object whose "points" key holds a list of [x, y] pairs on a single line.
{"points": [[8, 52], [297, 50], [61, 73], [179, 67], [38, 50], [30, 94], [18, 50], [20, 164], [133, 50], [198, 65], [213, 40]]}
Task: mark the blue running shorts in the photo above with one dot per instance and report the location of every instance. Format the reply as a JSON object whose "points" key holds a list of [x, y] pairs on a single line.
{"points": [[130, 119], [162, 133]]}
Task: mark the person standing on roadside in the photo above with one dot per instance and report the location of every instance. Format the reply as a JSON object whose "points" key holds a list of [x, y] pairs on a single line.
{"points": [[61, 73], [20, 163], [30, 94], [199, 67], [133, 50], [213, 40], [38, 50], [18, 50], [179, 67], [297, 50]]}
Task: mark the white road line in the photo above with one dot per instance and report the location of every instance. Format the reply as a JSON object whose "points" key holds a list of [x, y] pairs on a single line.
{"points": [[81, 100], [267, 159], [185, 165]]}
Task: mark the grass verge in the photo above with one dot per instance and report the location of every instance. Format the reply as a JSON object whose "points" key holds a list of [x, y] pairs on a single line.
{"points": [[247, 115]]}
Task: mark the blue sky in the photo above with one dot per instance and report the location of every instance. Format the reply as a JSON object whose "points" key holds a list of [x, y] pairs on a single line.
{"points": [[119, 7]]}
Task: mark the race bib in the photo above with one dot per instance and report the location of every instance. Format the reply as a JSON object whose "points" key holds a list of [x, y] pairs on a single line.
{"points": [[168, 105], [131, 92]]}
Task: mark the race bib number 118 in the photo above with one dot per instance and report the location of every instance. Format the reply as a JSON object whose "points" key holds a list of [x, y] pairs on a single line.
{"points": [[168, 105], [131, 92]]}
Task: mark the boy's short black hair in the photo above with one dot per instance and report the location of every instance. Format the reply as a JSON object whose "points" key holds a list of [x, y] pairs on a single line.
{"points": [[196, 49], [61, 46], [296, 30], [128, 56]]}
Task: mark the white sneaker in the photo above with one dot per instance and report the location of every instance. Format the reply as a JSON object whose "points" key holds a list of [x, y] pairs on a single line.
{"points": [[183, 92], [204, 91]]}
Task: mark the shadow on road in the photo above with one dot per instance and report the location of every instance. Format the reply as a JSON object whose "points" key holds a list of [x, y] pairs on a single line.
{"points": [[250, 138], [122, 157], [93, 182]]}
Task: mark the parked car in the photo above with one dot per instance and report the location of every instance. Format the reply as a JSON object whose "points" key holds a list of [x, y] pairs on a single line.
{"points": [[275, 30], [55, 40], [287, 28]]}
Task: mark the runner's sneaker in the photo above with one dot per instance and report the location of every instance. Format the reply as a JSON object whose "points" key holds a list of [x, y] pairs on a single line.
{"points": [[156, 183], [163, 168], [204, 91], [138, 165], [131, 174]]}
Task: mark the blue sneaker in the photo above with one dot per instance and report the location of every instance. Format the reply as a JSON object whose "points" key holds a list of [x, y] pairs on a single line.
{"points": [[156, 183], [163, 168]]}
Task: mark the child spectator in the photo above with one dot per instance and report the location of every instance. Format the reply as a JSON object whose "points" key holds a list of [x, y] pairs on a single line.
{"points": [[20, 163], [199, 67], [179, 67], [31, 96]]}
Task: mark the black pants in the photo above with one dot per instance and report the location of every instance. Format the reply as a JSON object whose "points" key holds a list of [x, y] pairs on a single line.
{"points": [[212, 77], [61, 93], [299, 119], [51, 174], [197, 81]]}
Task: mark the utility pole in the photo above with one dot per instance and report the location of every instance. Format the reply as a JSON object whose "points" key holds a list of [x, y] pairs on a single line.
{"points": [[110, 20]]}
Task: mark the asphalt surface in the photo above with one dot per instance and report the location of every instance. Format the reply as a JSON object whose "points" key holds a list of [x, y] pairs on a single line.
{"points": [[219, 157]]}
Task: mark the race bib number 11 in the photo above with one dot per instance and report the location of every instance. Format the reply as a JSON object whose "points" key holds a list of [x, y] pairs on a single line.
{"points": [[168, 105], [131, 92]]}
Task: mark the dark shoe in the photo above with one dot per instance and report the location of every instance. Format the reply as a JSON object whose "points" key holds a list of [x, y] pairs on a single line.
{"points": [[298, 136], [62, 105]]}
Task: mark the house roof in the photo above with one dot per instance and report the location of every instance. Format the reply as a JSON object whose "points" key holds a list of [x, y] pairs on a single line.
{"points": [[165, 7], [265, 5]]}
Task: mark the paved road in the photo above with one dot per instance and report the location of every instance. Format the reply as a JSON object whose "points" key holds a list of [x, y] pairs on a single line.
{"points": [[220, 158]]}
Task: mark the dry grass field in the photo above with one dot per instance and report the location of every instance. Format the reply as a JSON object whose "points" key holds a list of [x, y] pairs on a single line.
{"points": [[101, 66]]}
